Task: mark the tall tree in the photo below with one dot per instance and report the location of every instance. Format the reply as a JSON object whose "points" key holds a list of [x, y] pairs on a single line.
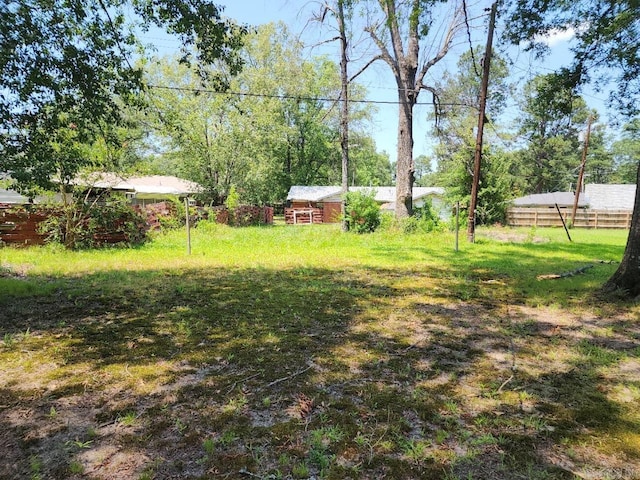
{"points": [[626, 153], [554, 117], [289, 110], [344, 106], [277, 126], [193, 128], [65, 64], [607, 42], [499, 180], [600, 166], [367, 166], [399, 33]]}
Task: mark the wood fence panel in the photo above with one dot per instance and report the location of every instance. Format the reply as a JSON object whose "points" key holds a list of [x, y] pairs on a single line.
{"points": [[20, 227], [585, 218]]}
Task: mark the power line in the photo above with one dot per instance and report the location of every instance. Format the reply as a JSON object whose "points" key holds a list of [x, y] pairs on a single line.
{"points": [[466, 22], [291, 97]]}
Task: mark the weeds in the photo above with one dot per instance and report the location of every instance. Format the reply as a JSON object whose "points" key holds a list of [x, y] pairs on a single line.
{"points": [[76, 468], [35, 466], [128, 419]]}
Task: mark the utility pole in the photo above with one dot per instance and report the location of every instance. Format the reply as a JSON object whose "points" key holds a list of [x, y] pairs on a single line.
{"points": [[471, 228], [344, 112], [581, 174]]}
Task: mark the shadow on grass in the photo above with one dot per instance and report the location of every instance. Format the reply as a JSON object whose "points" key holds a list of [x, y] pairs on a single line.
{"points": [[474, 271], [299, 373]]}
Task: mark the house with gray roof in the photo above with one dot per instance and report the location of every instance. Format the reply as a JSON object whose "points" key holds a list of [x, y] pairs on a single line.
{"points": [[599, 206], [141, 190], [610, 197], [9, 196], [562, 199]]}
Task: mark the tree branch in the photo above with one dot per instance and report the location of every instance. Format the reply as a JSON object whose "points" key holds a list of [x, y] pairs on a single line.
{"points": [[436, 102], [389, 7], [384, 51], [444, 49], [369, 63]]}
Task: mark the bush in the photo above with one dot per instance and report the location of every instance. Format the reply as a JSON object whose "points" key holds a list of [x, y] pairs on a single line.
{"points": [[232, 203], [81, 225], [423, 220], [362, 212]]}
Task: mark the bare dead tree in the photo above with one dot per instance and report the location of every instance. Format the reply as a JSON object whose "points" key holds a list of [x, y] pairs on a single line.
{"points": [[398, 34]]}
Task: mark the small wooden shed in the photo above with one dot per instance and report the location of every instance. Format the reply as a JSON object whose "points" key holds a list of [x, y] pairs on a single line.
{"points": [[321, 204]]}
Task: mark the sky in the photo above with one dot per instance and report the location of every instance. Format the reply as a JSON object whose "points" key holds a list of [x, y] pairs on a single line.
{"points": [[378, 79]]}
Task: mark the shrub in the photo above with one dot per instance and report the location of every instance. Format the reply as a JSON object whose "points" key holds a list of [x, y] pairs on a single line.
{"points": [[362, 212], [232, 202], [166, 215], [423, 220], [88, 225]]}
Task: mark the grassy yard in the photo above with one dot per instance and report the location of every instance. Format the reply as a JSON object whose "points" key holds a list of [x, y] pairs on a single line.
{"points": [[302, 352]]}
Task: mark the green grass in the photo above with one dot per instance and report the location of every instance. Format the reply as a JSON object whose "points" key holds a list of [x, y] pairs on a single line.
{"points": [[298, 352]]}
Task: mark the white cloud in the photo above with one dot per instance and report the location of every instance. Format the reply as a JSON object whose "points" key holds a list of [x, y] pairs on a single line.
{"points": [[556, 36]]}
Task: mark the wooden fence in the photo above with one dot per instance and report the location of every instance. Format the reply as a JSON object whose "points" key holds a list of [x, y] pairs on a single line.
{"points": [[244, 215], [585, 218], [20, 226]]}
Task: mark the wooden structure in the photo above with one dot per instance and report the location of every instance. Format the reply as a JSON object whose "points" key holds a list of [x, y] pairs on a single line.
{"points": [[244, 215], [303, 215], [585, 218], [325, 201], [19, 226]]}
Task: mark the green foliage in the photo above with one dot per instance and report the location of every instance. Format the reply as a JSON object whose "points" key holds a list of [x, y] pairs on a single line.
{"points": [[367, 167], [81, 225], [423, 220], [500, 181], [233, 198], [387, 221], [626, 153], [605, 49], [362, 211], [553, 120], [424, 171], [176, 215], [66, 75], [500, 178], [261, 144], [209, 446]]}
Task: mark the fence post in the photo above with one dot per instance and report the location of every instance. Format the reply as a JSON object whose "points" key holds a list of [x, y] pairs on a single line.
{"points": [[457, 223], [186, 209]]}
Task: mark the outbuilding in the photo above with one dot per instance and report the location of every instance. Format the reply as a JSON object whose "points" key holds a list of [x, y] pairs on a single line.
{"points": [[321, 204]]}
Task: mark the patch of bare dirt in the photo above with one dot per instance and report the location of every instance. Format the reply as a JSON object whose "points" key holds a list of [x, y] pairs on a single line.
{"points": [[509, 236]]}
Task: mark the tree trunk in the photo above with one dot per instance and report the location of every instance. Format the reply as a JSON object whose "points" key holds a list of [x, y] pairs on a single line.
{"points": [[344, 114], [627, 278], [404, 168], [404, 63]]}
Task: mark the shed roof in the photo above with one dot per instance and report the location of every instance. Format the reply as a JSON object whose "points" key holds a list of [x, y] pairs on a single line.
{"points": [[151, 184], [382, 194], [562, 199], [611, 197]]}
